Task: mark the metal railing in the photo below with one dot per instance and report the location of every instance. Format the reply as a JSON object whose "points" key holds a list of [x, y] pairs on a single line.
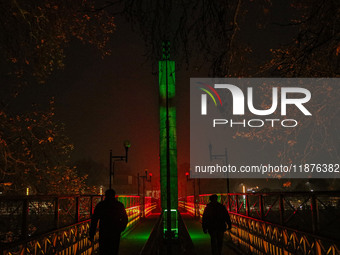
{"points": [[149, 206], [72, 239], [53, 224], [282, 223]]}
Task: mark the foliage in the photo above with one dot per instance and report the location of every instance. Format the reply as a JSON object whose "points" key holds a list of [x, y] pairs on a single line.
{"points": [[198, 30], [34, 152], [34, 34], [314, 51]]}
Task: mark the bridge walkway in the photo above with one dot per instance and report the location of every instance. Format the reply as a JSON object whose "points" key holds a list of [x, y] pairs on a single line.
{"points": [[202, 241], [133, 242]]}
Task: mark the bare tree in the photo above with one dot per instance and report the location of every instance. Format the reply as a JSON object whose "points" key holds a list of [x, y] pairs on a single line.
{"points": [[201, 31]]}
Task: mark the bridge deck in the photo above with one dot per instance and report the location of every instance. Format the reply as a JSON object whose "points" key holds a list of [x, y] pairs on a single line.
{"points": [[135, 240], [132, 243], [201, 241]]}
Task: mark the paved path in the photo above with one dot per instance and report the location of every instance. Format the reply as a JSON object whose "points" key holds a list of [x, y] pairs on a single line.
{"points": [[202, 241], [133, 243]]}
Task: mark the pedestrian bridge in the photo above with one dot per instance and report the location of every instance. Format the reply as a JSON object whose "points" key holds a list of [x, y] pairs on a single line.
{"points": [[263, 223]]}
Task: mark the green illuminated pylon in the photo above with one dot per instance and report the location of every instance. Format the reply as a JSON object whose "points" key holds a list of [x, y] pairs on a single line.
{"points": [[168, 140]]}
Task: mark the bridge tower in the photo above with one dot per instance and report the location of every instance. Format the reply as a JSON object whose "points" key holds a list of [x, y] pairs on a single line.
{"points": [[168, 143]]}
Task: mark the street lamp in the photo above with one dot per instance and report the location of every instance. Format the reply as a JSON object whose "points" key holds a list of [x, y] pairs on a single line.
{"points": [[145, 179], [118, 158]]}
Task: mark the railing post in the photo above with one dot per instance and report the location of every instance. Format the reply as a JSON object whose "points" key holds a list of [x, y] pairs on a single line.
{"points": [[77, 209], [261, 206], [281, 209], [228, 199], [56, 212], [24, 226], [138, 184], [315, 212], [91, 206], [236, 203], [143, 201], [247, 205], [195, 202]]}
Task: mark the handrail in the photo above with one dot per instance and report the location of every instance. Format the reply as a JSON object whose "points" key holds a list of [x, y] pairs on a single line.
{"points": [[335, 240], [62, 196], [273, 218], [22, 197], [277, 240], [288, 193], [287, 205], [6, 246], [59, 211]]}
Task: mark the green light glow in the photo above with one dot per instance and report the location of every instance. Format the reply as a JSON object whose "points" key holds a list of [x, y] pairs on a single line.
{"points": [[167, 73], [168, 143], [196, 236], [141, 236], [174, 222]]}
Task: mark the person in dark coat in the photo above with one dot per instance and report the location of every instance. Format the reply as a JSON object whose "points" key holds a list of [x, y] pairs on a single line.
{"points": [[214, 221], [112, 222]]}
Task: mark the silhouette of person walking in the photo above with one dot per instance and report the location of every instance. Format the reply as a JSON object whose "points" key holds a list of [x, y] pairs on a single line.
{"points": [[112, 222], [214, 221]]}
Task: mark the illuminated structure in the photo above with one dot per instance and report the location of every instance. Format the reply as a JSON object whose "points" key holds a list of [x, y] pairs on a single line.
{"points": [[168, 142]]}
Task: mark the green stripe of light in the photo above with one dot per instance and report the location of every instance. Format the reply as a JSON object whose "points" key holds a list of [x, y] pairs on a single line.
{"points": [[206, 91]]}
